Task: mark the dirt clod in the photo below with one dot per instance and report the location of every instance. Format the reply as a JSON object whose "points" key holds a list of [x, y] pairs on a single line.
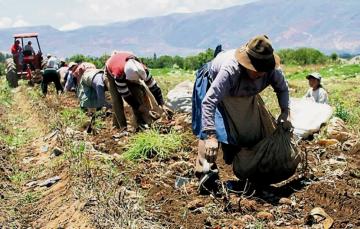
{"points": [[265, 216]]}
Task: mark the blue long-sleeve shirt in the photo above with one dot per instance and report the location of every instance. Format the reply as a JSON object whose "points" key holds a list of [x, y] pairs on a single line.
{"points": [[70, 82], [231, 79]]}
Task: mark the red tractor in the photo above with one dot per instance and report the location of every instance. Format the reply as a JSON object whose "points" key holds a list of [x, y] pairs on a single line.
{"points": [[25, 64]]}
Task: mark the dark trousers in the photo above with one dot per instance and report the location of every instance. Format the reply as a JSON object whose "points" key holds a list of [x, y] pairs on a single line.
{"points": [[50, 75]]}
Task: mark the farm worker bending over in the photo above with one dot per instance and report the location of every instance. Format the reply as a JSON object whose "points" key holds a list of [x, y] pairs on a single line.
{"points": [[125, 72], [92, 87], [70, 81], [77, 70], [230, 111], [50, 74], [316, 91]]}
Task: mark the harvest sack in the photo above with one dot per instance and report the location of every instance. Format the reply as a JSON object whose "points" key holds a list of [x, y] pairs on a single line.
{"points": [[268, 154], [272, 160]]}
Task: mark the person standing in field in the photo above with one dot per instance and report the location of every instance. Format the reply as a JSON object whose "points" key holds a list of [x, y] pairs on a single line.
{"points": [[50, 74], [316, 91]]}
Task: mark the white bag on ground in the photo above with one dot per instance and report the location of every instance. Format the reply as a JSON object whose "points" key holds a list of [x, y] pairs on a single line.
{"points": [[307, 116], [180, 98]]}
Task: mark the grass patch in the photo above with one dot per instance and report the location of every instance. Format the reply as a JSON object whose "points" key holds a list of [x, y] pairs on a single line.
{"points": [[13, 135], [168, 78], [20, 177], [35, 94], [151, 144], [73, 117], [5, 94], [342, 112], [327, 71], [29, 198]]}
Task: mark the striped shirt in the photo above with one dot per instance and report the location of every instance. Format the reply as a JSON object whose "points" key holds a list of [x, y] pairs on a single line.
{"points": [[134, 71]]}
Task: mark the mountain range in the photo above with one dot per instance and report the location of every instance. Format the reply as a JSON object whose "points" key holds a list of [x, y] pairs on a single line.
{"points": [[328, 25]]}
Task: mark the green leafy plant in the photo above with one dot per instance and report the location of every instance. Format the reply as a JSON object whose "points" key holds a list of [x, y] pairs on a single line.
{"points": [[30, 197], [342, 112], [73, 117], [5, 94], [151, 144]]}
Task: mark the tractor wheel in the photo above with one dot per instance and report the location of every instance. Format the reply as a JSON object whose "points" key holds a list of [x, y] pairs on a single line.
{"points": [[37, 76], [44, 63], [11, 74]]}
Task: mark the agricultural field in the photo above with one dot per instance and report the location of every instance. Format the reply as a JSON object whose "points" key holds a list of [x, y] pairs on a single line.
{"points": [[100, 180]]}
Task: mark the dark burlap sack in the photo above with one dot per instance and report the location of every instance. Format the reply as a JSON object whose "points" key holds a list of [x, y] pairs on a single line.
{"points": [[272, 160]]}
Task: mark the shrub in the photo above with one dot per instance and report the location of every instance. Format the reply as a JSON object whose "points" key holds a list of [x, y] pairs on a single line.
{"points": [[342, 112], [302, 56], [334, 56], [99, 62]]}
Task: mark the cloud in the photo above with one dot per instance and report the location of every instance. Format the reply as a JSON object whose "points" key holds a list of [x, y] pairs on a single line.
{"points": [[72, 14], [20, 23], [70, 26], [96, 12], [6, 22]]}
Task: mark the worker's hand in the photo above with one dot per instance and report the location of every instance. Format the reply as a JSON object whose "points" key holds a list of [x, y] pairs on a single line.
{"points": [[211, 148], [167, 111], [283, 117], [284, 120]]}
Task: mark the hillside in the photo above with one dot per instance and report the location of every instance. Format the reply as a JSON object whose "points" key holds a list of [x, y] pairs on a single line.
{"points": [[326, 25]]}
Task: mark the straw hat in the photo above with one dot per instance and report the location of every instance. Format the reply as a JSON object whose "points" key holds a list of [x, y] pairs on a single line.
{"points": [[258, 55]]}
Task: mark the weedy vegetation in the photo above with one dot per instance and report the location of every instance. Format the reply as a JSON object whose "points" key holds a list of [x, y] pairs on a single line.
{"points": [[151, 143]]}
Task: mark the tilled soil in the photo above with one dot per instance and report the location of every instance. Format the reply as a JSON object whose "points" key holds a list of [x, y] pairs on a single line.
{"points": [[331, 182], [329, 186]]}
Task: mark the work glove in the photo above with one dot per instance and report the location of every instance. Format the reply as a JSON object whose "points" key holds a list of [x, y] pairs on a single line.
{"points": [[211, 148]]}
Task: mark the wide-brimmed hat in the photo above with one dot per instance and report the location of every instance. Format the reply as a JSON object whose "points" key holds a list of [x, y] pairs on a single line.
{"points": [[72, 64], [315, 75], [258, 55]]}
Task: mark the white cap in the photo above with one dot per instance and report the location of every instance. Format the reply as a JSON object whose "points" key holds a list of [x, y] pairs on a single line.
{"points": [[134, 70], [315, 75]]}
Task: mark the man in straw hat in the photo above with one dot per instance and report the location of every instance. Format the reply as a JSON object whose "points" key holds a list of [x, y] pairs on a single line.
{"points": [[230, 111]]}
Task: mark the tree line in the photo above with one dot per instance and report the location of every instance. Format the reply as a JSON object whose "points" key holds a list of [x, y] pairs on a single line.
{"points": [[300, 56]]}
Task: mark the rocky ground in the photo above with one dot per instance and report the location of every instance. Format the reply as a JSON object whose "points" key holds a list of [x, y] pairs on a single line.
{"points": [[63, 177]]}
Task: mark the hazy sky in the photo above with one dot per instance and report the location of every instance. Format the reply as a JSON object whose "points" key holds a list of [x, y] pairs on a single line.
{"points": [[72, 14]]}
